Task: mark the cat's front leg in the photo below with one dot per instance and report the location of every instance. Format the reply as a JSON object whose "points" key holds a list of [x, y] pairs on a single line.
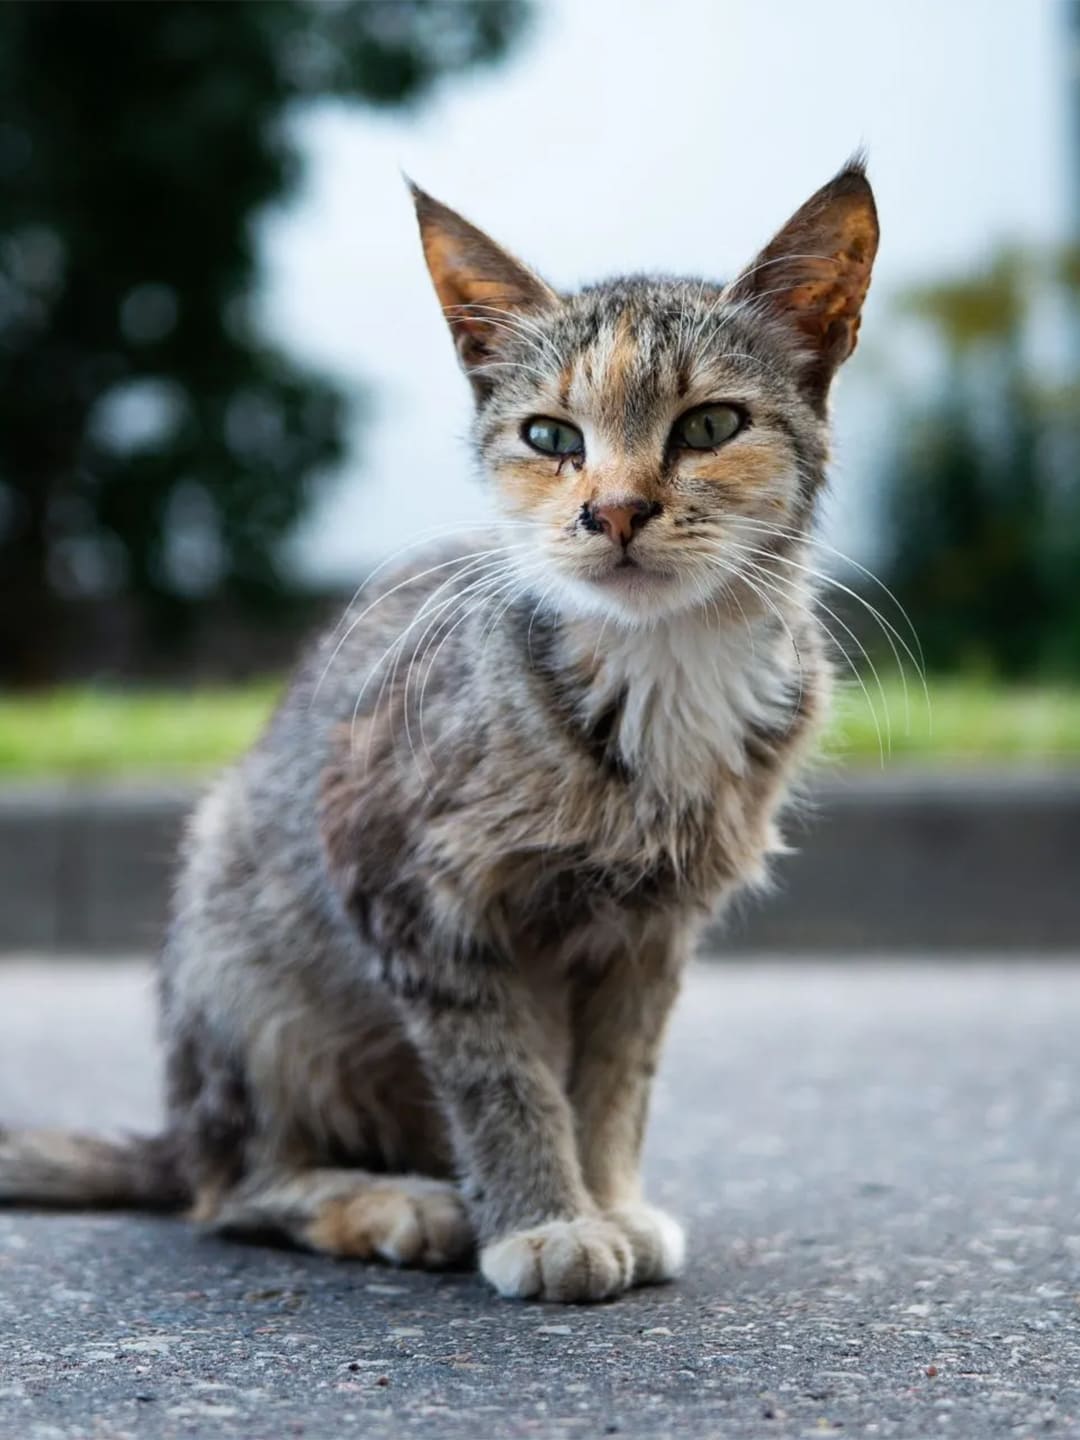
{"points": [[620, 1015], [541, 1234]]}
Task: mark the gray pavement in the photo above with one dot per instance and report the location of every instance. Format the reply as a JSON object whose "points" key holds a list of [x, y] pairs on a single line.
{"points": [[880, 1167]]}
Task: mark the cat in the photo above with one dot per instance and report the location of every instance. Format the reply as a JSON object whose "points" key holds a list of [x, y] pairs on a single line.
{"points": [[427, 933]]}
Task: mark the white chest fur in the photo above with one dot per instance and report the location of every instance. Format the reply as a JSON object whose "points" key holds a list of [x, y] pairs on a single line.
{"points": [[689, 690]]}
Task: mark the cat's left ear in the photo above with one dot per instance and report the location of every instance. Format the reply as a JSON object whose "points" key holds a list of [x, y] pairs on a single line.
{"points": [[482, 288], [814, 274]]}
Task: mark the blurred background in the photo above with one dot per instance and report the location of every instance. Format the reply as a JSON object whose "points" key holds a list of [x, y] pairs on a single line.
{"points": [[226, 391]]}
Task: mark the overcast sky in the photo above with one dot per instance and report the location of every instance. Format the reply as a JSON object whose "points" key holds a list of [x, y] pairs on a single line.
{"points": [[670, 135]]}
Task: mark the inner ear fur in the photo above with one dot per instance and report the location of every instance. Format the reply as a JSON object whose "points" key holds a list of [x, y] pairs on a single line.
{"points": [[475, 279], [815, 272]]}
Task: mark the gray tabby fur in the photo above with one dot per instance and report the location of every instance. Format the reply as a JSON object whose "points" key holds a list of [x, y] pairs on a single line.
{"points": [[427, 933]]}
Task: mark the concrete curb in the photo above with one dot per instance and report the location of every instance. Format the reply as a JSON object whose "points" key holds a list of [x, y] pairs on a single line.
{"points": [[896, 862]]}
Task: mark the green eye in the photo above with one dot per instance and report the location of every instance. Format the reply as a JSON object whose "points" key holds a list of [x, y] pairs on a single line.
{"points": [[553, 437], [707, 427]]}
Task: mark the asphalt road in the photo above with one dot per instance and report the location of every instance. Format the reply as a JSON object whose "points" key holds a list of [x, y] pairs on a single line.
{"points": [[880, 1166]]}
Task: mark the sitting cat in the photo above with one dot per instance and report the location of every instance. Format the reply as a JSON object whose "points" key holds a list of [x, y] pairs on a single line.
{"points": [[427, 933]]}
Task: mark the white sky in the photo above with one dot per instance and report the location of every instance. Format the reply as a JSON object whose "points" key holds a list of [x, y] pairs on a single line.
{"points": [[671, 135]]}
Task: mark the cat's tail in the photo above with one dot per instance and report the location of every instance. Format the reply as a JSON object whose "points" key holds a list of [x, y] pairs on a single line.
{"points": [[65, 1169]]}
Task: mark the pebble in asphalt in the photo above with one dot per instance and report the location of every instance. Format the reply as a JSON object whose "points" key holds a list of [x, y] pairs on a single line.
{"points": [[879, 1164]]}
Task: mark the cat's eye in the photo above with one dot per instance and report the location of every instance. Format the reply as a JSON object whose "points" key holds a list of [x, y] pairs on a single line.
{"points": [[707, 427], [553, 437]]}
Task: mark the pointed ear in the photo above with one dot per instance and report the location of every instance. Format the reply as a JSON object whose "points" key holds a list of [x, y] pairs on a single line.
{"points": [[480, 286], [815, 273]]}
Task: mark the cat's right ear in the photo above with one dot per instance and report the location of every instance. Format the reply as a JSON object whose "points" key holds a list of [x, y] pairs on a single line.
{"points": [[815, 273], [482, 288]]}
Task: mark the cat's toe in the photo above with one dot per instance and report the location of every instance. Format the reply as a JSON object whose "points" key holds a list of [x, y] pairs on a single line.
{"points": [[406, 1221], [657, 1240], [572, 1261]]}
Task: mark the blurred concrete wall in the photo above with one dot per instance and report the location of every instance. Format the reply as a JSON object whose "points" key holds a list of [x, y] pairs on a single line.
{"points": [[893, 862]]}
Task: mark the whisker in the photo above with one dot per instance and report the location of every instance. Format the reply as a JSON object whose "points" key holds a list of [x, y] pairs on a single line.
{"points": [[764, 576], [386, 594], [739, 573], [734, 573], [753, 302], [488, 577], [487, 365], [892, 635], [855, 565], [842, 651], [459, 602], [474, 562], [599, 640], [488, 599], [782, 260], [430, 536], [532, 620], [511, 322]]}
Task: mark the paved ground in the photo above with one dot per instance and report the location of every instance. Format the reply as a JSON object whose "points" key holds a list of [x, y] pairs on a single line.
{"points": [[881, 1171]]}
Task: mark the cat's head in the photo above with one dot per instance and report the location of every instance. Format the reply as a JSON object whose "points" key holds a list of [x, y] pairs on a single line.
{"points": [[649, 435]]}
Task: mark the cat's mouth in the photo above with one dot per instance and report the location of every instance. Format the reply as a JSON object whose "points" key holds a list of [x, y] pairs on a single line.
{"points": [[631, 586], [631, 570]]}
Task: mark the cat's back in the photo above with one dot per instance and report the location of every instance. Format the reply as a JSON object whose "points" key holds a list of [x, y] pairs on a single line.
{"points": [[252, 880]]}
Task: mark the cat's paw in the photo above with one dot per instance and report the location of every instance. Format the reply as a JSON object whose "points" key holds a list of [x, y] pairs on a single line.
{"points": [[407, 1221], [573, 1261], [657, 1240]]}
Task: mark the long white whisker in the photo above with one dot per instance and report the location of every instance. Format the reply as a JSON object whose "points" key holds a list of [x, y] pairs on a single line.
{"points": [[514, 325], [488, 576], [599, 640], [402, 585], [516, 584], [460, 601], [819, 604], [428, 537], [512, 599], [848, 661], [487, 365], [532, 619], [782, 260], [744, 575], [732, 572], [892, 635], [514, 320], [790, 533], [476, 562]]}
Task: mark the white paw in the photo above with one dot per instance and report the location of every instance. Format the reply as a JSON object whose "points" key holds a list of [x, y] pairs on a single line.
{"points": [[574, 1261], [657, 1240]]}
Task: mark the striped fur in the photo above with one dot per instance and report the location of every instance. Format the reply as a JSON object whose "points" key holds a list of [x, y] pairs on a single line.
{"points": [[427, 933]]}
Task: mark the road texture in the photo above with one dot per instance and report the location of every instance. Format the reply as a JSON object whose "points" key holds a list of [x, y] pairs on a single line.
{"points": [[879, 1165]]}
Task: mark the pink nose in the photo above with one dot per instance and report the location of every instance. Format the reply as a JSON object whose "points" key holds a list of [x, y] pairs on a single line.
{"points": [[621, 519]]}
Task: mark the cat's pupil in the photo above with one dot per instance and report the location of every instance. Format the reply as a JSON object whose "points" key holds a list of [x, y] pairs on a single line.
{"points": [[707, 428], [553, 437]]}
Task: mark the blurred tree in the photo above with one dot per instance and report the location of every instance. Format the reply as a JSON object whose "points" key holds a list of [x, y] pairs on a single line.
{"points": [[150, 442], [984, 489]]}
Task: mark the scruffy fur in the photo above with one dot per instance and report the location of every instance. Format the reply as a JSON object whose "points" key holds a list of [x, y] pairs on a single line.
{"points": [[427, 934]]}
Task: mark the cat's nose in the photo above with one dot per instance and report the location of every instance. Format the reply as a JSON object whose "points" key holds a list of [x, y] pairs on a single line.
{"points": [[620, 520]]}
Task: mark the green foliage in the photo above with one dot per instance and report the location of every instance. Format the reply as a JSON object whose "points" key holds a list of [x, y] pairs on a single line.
{"points": [[72, 732], [79, 732], [985, 486], [150, 442], [959, 720]]}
